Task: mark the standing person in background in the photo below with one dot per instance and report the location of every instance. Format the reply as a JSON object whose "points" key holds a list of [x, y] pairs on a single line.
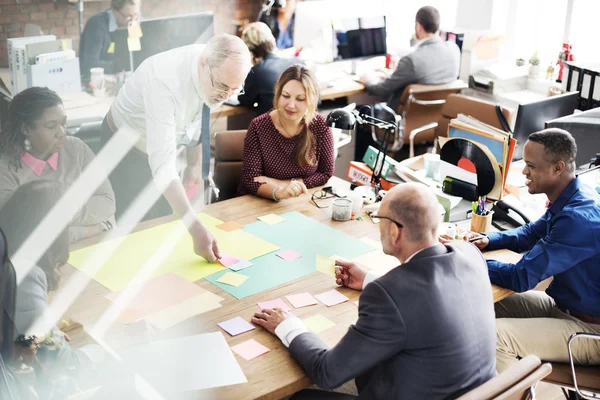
{"points": [[280, 18]]}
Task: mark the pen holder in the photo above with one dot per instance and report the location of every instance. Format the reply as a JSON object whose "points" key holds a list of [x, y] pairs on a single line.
{"points": [[481, 223], [341, 210]]}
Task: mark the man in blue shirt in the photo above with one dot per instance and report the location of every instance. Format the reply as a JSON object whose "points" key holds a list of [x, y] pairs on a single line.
{"points": [[564, 244]]}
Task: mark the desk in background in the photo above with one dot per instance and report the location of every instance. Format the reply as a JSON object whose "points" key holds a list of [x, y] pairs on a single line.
{"points": [[285, 376]]}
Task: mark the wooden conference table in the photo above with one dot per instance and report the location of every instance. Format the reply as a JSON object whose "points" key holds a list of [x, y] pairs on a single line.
{"points": [[273, 375]]}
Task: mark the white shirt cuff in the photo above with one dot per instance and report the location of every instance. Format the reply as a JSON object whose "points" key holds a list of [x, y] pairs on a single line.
{"points": [[289, 329], [370, 277]]}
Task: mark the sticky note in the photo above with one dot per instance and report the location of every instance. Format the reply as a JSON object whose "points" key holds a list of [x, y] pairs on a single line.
{"points": [[230, 226], [134, 44], [187, 309], [65, 44], [331, 298], [232, 279], [250, 349], [326, 265], [356, 303], [302, 300], [277, 303], [111, 48], [318, 323], [241, 264], [236, 325], [191, 191], [135, 31], [226, 260], [288, 255], [271, 219]]}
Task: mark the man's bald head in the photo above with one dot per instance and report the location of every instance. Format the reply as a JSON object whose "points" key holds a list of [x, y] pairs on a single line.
{"points": [[415, 206], [227, 47]]}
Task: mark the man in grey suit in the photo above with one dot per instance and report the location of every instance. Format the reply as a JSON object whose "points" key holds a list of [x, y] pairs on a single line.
{"points": [[425, 330], [433, 61]]}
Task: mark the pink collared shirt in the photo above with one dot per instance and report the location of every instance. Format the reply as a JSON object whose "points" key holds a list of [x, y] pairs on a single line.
{"points": [[36, 165]]}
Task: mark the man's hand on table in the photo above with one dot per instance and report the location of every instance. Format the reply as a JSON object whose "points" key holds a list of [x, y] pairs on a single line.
{"points": [[479, 240], [270, 318], [349, 274]]}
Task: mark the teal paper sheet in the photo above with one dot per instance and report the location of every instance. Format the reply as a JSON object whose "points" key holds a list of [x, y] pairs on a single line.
{"points": [[302, 234]]}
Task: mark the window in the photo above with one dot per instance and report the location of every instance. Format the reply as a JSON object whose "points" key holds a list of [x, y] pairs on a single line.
{"points": [[584, 22]]}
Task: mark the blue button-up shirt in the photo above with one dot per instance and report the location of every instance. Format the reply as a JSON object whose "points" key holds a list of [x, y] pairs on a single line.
{"points": [[563, 243]]}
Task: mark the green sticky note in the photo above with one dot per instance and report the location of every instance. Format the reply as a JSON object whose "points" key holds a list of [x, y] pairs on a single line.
{"points": [[318, 323], [326, 265]]}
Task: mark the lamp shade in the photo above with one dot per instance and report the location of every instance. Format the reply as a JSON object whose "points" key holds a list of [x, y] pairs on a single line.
{"points": [[341, 119]]}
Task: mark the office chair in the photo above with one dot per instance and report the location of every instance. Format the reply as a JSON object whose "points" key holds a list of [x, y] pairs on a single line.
{"points": [[229, 149]]}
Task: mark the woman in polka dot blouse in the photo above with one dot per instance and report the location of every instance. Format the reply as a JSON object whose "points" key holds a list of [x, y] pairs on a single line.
{"points": [[290, 148]]}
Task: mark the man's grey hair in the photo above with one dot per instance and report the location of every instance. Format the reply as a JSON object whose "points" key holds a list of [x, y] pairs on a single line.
{"points": [[559, 145], [222, 47]]}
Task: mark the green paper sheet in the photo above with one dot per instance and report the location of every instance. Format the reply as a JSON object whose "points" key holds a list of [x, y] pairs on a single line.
{"points": [[300, 233], [137, 248]]}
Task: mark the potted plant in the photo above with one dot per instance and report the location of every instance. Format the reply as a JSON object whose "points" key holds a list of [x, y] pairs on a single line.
{"points": [[534, 69]]}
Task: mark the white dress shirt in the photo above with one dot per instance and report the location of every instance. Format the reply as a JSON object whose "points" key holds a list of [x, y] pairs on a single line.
{"points": [[162, 102], [293, 326]]}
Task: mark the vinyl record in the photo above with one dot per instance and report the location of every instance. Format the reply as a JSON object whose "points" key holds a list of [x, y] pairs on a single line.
{"points": [[469, 156]]}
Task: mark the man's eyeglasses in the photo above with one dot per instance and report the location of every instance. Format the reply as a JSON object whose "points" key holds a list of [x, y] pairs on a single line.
{"points": [[222, 89], [375, 217]]}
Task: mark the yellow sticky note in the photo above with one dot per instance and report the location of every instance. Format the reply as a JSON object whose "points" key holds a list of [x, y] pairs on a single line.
{"points": [[232, 279], [111, 48], [318, 323], [135, 31], [271, 219], [189, 308], [134, 44], [326, 265], [65, 44]]}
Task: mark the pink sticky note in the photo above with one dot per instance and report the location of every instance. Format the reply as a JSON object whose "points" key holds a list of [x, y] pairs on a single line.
{"points": [[191, 191], [277, 303], [250, 349], [302, 300], [288, 255], [236, 326], [331, 298], [227, 260]]}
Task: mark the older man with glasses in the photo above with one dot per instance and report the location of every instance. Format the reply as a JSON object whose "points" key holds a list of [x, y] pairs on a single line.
{"points": [[425, 330], [166, 105]]}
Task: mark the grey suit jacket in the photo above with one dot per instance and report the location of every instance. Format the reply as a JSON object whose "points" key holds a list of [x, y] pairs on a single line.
{"points": [[426, 330], [433, 62]]}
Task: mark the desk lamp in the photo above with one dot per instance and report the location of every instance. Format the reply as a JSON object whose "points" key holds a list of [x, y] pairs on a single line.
{"points": [[346, 120]]}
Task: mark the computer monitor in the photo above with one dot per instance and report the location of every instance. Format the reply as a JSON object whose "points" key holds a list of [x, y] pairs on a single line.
{"points": [[532, 117], [162, 34], [361, 37]]}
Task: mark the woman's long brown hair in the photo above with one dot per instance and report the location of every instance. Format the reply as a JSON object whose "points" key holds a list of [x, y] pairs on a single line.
{"points": [[303, 153]]}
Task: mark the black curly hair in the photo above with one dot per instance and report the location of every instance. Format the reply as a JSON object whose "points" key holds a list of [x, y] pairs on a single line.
{"points": [[25, 108]]}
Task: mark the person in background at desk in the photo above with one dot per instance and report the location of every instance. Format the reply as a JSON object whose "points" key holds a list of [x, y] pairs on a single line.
{"points": [[565, 244], [34, 146], [432, 62], [260, 83], [425, 330], [96, 47], [164, 106], [280, 21], [290, 148]]}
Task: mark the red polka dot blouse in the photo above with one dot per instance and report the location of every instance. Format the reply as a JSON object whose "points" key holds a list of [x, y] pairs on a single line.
{"points": [[268, 153]]}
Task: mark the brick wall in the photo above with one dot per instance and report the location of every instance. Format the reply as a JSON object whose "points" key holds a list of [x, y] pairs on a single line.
{"points": [[62, 19]]}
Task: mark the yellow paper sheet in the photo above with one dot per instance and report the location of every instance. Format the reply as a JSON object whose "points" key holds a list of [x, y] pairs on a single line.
{"points": [[318, 323], [233, 279], [326, 265], [135, 31], [134, 44], [271, 219], [377, 260], [336, 257], [137, 248], [189, 308], [111, 48]]}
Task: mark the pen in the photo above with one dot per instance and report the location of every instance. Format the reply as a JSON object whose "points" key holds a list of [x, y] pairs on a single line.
{"points": [[476, 238]]}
